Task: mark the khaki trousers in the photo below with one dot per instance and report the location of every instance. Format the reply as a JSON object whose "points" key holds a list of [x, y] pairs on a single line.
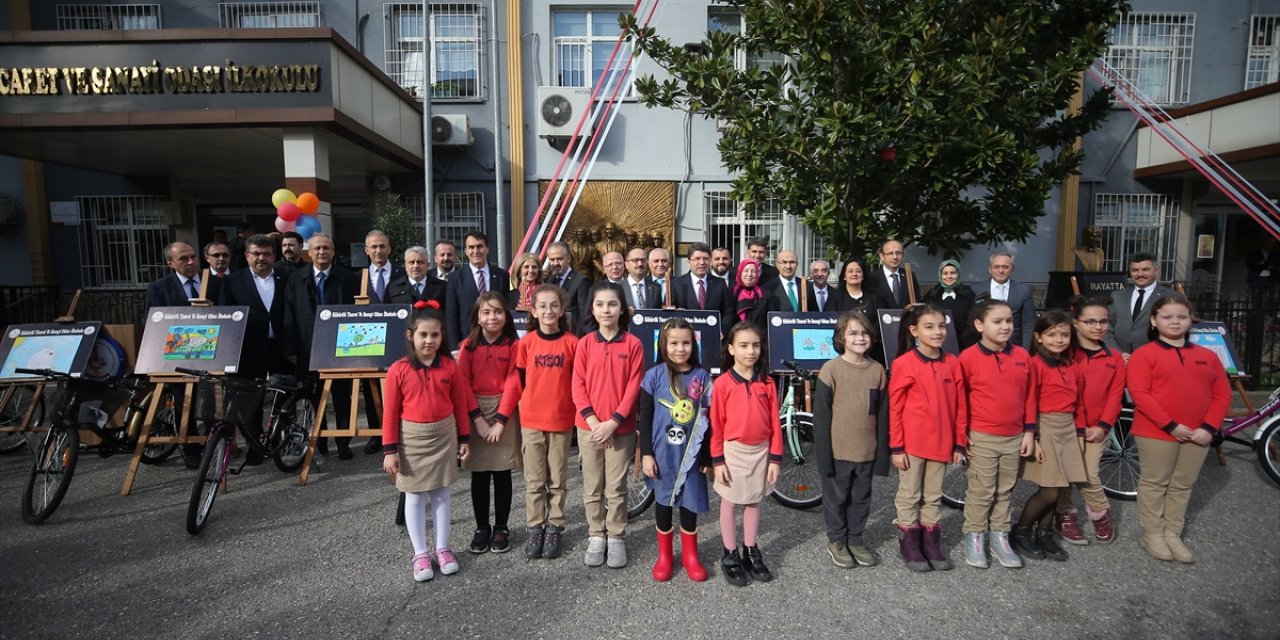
{"points": [[993, 471], [1169, 470], [919, 496], [1094, 497], [604, 482], [546, 470]]}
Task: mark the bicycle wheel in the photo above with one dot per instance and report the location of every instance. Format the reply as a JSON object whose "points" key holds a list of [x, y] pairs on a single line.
{"points": [[291, 439], [955, 483], [639, 496], [799, 481], [11, 415], [213, 467], [51, 471], [1268, 447], [163, 425], [1118, 469]]}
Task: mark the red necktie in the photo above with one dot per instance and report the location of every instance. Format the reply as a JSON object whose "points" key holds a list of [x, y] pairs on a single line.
{"points": [[702, 294]]}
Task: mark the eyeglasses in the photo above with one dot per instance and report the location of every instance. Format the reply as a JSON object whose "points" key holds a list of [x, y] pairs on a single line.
{"points": [[1095, 323], [256, 254]]}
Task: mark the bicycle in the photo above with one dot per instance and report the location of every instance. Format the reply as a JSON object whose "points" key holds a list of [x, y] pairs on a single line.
{"points": [[11, 415], [285, 439], [799, 481], [81, 403]]}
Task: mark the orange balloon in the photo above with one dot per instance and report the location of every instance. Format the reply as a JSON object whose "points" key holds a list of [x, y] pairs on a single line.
{"points": [[308, 203]]}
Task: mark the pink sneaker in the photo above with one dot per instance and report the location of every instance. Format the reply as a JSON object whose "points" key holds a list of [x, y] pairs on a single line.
{"points": [[448, 563], [422, 567]]}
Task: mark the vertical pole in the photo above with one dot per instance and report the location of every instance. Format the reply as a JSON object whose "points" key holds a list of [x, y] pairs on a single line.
{"points": [[494, 96], [428, 200]]}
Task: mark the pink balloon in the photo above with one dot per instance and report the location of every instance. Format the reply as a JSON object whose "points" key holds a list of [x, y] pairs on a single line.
{"points": [[283, 225], [288, 211]]}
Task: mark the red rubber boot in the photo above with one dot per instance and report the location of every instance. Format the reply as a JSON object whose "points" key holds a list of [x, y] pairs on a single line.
{"points": [[662, 568], [689, 556]]}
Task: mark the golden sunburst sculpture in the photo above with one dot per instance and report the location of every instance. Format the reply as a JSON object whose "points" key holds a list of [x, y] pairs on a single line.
{"points": [[617, 216]]}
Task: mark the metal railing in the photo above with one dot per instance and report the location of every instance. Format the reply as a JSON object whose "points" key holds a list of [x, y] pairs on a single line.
{"points": [[1253, 323]]}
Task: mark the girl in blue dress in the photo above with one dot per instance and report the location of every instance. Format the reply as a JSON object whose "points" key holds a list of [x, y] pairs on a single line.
{"points": [[676, 444]]}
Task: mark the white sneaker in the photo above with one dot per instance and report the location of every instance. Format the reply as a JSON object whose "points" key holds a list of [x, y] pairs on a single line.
{"points": [[595, 551], [617, 553]]}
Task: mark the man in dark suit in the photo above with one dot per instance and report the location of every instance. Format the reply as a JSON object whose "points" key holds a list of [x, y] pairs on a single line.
{"points": [[819, 293], [1002, 286], [178, 288], [416, 283], [660, 275], [790, 291], [758, 249], [722, 266], [261, 289], [446, 260], [377, 245], [615, 267], [699, 290], [1131, 306], [217, 255], [889, 281], [465, 284], [642, 293], [322, 283], [560, 272]]}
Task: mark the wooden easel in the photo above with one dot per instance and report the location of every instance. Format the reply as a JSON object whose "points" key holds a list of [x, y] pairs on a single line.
{"points": [[11, 386], [912, 301]]}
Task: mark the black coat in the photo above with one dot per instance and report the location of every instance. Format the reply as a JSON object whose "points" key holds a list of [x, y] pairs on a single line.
{"points": [[168, 292], [876, 281], [960, 307], [401, 291], [684, 296], [396, 273], [259, 355], [300, 307], [460, 296]]}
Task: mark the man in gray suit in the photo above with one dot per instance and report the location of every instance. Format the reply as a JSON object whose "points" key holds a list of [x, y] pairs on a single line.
{"points": [[1002, 286], [1131, 306]]}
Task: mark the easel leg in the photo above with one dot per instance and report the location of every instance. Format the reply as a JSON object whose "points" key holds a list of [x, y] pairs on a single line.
{"points": [[321, 406], [143, 437]]}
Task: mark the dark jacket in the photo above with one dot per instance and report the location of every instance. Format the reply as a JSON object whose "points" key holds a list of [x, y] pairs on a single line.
{"points": [[460, 297], [960, 307], [684, 296], [876, 281], [300, 307], [168, 292], [259, 355]]}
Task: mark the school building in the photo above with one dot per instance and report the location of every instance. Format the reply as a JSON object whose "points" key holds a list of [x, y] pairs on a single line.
{"points": [[125, 126]]}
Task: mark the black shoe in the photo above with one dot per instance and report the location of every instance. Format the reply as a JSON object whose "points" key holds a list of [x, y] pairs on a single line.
{"points": [[1024, 540], [253, 457], [191, 454], [731, 566], [480, 541], [374, 445], [551, 544], [1049, 543], [344, 452], [191, 462], [501, 542], [322, 446], [533, 548], [753, 562]]}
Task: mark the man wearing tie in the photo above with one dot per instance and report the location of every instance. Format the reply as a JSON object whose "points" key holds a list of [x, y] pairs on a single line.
{"points": [[446, 260], [1019, 296], [416, 282], [1131, 306], [381, 272], [467, 283], [699, 290], [788, 292], [324, 283], [642, 293], [659, 266], [819, 293], [615, 267], [560, 273], [180, 287], [890, 280]]}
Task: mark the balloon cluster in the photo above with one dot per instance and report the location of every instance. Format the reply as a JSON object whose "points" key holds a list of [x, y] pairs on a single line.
{"points": [[296, 212]]}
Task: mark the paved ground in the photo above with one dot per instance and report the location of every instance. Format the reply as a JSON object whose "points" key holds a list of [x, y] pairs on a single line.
{"points": [[325, 561]]}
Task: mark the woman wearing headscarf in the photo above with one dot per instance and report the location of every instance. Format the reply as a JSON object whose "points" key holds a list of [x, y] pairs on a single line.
{"points": [[956, 297], [749, 299]]}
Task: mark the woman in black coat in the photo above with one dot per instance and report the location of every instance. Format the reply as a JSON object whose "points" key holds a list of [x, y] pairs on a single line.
{"points": [[956, 297]]}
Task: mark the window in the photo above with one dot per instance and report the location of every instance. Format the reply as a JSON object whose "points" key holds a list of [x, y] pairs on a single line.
{"points": [[1137, 222], [457, 214], [456, 46], [1153, 50], [269, 15], [122, 241], [1263, 64], [111, 17], [731, 225], [581, 45], [730, 20]]}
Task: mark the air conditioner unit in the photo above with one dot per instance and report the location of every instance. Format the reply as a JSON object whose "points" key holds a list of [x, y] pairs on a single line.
{"points": [[560, 109], [451, 131]]}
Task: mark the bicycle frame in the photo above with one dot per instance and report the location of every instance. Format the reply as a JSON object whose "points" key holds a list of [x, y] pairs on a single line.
{"points": [[790, 435], [1255, 418]]}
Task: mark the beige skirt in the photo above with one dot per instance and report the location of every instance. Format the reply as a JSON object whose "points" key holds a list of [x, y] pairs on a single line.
{"points": [[428, 455], [1063, 460], [503, 456], [748, 465]]}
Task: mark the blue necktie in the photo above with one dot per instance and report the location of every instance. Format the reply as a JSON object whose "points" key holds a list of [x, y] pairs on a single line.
{"points": [[320, 287]]}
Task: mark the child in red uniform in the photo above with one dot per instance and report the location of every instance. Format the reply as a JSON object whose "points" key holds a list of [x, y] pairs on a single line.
{"points": [[544, 360], [1060, 426], [746, 450], [926, 431], [607, 369], [487, 359], [1103, 373], [1002, 422], [425, 427], [1180, 397]]}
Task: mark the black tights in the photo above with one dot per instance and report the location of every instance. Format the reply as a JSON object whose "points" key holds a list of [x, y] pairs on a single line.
{"points": [[1040, 507], [688, 519], [501, 498]]}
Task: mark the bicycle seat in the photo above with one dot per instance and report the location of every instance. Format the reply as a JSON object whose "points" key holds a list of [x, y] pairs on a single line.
{"points": [[281, 382]]}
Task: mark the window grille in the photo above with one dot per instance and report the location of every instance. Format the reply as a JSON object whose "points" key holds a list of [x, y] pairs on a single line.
{"points": [[1132, 223], [122, 241], [730, 20], [269, 15], [457, 46], [457, 214], [731, 225], [1153, 50], [1263, 64], [109, 17], [582, 42]]}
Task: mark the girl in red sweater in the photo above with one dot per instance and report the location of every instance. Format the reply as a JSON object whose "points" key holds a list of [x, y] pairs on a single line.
{"points": [[1180, 397], [1060, 430], [544, 362], [1102, 371], [746, 449], [424, 431], [487, 359], [926, 431], [607, 369]]}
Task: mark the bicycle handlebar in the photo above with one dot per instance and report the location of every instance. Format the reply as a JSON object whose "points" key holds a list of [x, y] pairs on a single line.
{"points": [[44, 373], [199, 373], [800, 371]]}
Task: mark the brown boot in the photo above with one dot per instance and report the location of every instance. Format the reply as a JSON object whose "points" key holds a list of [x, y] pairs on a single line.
{"points": [[1156, 546], [1179, 550]]}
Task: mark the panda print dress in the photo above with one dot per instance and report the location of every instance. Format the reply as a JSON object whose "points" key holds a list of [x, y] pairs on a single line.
{"points": [[676, 432]]}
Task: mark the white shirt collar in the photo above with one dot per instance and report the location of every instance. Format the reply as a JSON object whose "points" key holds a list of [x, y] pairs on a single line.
{"points": [[271, 276], [477, 270], [888, 273], [315, 273]]}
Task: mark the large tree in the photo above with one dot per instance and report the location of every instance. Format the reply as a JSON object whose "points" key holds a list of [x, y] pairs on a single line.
{"points": [[942, 122]]}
